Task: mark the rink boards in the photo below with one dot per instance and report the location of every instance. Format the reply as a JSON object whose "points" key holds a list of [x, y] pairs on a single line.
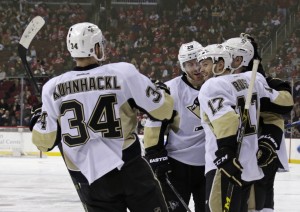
{"points": [[17, 142]]}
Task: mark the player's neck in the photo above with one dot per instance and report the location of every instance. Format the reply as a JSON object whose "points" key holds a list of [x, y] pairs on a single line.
{"points": [[239, 70], [83, 62], [195, 83], [227, 72]]}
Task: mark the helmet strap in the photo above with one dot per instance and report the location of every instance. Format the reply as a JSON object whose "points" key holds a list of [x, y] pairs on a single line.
{"points": [[100, 52], [214, 67]]}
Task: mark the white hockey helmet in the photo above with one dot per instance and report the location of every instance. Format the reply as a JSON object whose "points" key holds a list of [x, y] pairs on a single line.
{"points": [[240, 47], [187, 52], [81, 40], [216, 52]]}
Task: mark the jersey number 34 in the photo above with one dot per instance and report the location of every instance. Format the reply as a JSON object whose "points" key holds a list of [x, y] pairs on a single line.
{"points": [[102, 120]]}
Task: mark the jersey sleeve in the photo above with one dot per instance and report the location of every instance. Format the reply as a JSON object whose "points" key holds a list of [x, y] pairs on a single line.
{"points": [[280, 102], [155, 131], [45, 133], [149, 99], [217, 111], [272, 123]]}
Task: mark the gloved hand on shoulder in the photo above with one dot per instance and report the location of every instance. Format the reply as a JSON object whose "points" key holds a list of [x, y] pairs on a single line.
{"points": [[160, 85]]}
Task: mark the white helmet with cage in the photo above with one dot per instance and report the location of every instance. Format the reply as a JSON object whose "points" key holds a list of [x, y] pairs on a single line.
{"points": [[82, 38], [187, 52], [216, 52], [240, 47]]}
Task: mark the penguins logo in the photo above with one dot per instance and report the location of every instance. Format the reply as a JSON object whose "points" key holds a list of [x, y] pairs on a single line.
{"points": [[195, 108]]}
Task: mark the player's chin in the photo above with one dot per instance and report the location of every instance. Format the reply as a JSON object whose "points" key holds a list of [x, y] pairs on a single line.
{"points": [[198, 77]]}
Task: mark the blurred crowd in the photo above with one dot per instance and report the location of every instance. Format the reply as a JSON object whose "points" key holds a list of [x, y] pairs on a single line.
{"points": [[148, 37]]}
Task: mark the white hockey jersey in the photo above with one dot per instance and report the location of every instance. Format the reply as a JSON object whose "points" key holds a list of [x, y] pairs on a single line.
{"points": [[222, 100], [186, 139], [96, 109]]}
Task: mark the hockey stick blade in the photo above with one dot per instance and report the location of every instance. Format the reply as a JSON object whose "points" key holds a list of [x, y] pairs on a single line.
{"points": [[177, 194], [30, 32], [226, 207]]}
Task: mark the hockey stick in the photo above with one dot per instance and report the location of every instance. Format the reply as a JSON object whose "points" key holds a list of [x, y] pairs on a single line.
{"points": [[242, 131], [287, 126], [30, 32], [177, 194]]}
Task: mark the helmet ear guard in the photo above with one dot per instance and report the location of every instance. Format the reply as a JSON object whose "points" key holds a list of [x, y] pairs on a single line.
{"points": [[82, 38], [187, 52]]}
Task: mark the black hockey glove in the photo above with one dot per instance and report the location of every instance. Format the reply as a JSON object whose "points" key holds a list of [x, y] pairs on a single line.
{"points": [[229, 165], [254, 44], [162, 86], [278, 84], [159, 163], [266, 153], [36, 112]]}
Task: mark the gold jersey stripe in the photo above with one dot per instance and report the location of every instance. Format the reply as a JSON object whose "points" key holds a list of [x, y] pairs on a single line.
{"points": [[43, 141], [284, 99], [227, 125], [165, 111], [272, 118], [151, 135]]}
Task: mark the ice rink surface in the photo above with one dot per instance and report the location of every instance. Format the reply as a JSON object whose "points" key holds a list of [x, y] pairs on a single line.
{"points": [[43, 184]]}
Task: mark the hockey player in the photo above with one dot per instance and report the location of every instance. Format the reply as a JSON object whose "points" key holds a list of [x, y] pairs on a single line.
{"points": [[222, 99], [183, 152], [272, 153], [206, 64], [96, 107]]}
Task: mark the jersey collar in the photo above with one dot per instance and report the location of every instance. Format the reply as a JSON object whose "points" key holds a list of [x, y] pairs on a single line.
{"points": [[184, 79], [91, 66]]}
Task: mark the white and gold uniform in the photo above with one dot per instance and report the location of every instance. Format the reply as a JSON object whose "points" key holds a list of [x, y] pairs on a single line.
{"points": [[222, 99], [185, 142], [96, 110], [185, 145]]}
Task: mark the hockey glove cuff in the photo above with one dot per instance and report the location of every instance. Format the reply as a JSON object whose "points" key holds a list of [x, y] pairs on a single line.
{"points": [[36, 112], [159, 163], [228, 165], [266, 150]]}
